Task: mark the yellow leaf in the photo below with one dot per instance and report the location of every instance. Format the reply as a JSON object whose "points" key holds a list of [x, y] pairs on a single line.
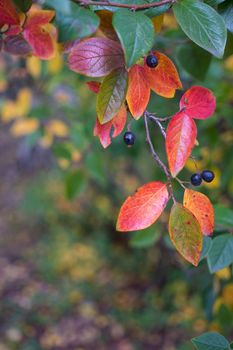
{"points": [[169, 21], [34, 66], [46, 141], [157, 22], [24, 127], [63, 163], [229, 63], [57, 128], [227, 295], [224, 274], [24, 102], [55, 65], [9, 111]]}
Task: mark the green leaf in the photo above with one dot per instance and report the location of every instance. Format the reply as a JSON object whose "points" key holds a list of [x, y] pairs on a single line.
{"points": [[220, 254], [226, 11], [79, 23], [214, 2], [74, 183], [136, 34], [112, 95], [207, 243], [231, 346], [185, 233], [156, 11], [211, 341], [23, 5], [223, 217], [194, 60], [72, 20], [144, 238], [203, 25]]}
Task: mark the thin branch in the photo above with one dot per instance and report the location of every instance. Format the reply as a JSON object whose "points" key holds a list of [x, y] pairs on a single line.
{"points": [[128, 6], [157, 121], [153, 152]]}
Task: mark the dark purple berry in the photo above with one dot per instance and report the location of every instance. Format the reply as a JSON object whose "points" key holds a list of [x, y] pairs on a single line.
{"points": [[152, 61], [129, 138], [196, 179], [207, 175]]}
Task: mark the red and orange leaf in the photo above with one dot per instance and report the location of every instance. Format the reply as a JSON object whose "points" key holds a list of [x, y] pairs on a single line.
{"points": [[163, 79], [8, 13], [180, 139], [201, 207], [185, 233], [198, 102], [96, 57], [138, 93], [43, 40], [94, 86], [103, 131], [143, 208], [38, 17]]}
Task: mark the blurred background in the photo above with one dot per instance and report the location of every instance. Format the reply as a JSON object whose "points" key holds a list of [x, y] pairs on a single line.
{"points": [[69, 281]]}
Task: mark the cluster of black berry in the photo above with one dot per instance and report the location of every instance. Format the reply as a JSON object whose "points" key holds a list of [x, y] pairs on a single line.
{"points": [[206, 175]]}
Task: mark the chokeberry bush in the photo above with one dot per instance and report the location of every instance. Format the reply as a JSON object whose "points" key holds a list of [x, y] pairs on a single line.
{"points": [[118, 46]]}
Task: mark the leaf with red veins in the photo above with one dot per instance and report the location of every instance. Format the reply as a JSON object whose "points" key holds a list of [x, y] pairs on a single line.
{"points": [[138, 93], [96, 57], [43, 40], [201, 207], [198, 102], [164, 78], [17, 45], [103, 131], [94, 86], [8, 13], [143, 208], [180, 138]]}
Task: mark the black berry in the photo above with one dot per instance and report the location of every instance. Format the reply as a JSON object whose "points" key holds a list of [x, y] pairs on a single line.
{"points": [[152, 61], [129, 138], [207, 175], [196, 179]]}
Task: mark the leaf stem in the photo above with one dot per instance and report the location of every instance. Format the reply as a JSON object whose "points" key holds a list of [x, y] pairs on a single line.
{"points": [[128, 6]]}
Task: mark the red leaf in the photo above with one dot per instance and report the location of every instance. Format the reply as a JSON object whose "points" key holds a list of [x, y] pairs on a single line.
{"points": [[201, 207], [198, 102], [38, 17], [138, 93], [180, 139], [17, 45], [185, 233], [164, 78], [96, 57], [94, 86], [143, 208], [8, 13], [103, 131]]}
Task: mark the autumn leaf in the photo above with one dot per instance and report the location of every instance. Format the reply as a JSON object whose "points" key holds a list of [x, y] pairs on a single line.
{"points": [[198, 102], [96, 57], [138, 93], [94, 86], [201, 207], [143, 208], [8, 13], [164, 78], [112, 95], [106, 26], [103, 131], [185, 233], [40, 34], [180, 139]]}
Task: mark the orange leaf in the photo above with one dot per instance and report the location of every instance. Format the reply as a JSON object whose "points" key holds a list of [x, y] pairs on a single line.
{"points": [[138, 93], [43, 40], [185, 233], [180, 139], [37, 17], [103, 131], [106, 26], [143, 208], [8, 13], [198, 102], [164, 79], [201, 207]]}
